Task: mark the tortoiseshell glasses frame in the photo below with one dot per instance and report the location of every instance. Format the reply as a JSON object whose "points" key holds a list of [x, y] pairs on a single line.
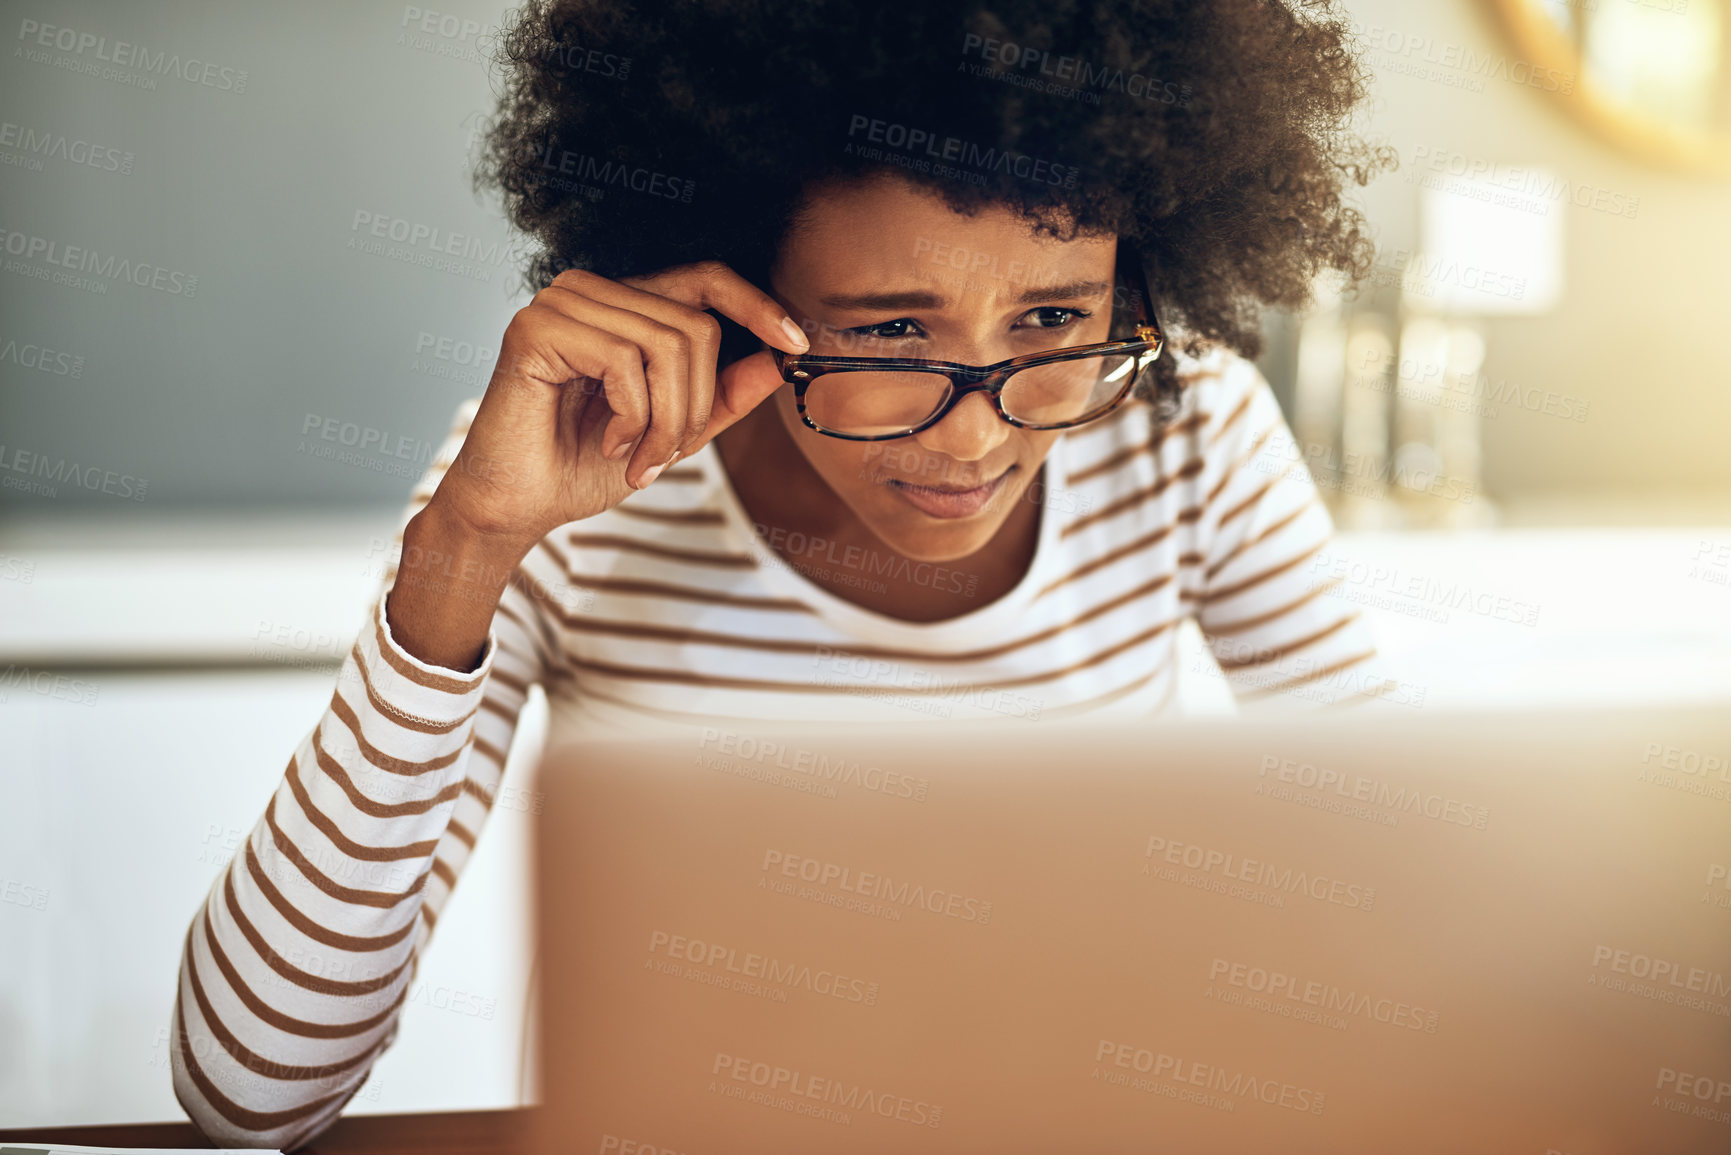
{"points": [[801, 371]]}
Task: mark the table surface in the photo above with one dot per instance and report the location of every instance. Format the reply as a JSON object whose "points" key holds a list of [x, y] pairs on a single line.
{"points": [[455, 1133]]}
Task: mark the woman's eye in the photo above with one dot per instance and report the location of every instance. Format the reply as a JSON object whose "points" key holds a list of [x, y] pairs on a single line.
{"points": [[904, 328], [1052, 317], [888, 330]]}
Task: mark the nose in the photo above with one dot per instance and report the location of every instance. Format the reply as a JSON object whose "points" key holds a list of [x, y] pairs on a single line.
{"points": [[968, 432]]}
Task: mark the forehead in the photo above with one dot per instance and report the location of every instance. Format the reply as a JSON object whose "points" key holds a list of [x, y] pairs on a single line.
{"points": [[886, 232]]}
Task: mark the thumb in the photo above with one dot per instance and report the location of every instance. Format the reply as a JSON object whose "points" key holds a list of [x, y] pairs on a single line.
{"points": [[739, 388]]}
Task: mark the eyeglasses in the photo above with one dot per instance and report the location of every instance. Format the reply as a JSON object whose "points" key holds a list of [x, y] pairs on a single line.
{"points": [[882, 398]]}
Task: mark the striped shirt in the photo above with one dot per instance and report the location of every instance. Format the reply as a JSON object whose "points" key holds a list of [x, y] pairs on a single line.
{"points": [[674, 607]]}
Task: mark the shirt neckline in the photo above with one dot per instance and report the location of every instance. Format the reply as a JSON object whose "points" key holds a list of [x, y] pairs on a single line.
{"points": [[991, 622]]}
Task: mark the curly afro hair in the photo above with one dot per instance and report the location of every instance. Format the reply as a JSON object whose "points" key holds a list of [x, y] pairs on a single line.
{"points": [[1211, 135]]}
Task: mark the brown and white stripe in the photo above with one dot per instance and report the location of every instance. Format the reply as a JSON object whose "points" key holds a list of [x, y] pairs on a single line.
{"points": [[671, 609]]}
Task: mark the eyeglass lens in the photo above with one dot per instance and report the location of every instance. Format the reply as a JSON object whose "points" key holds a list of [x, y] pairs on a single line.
{"points": [[866, 403]]}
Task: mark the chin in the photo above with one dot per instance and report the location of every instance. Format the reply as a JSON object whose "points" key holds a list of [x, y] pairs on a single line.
{"points": [[939, 541]]}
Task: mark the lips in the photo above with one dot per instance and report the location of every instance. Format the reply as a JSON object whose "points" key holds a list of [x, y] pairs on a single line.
{"points": [[949, 503]]}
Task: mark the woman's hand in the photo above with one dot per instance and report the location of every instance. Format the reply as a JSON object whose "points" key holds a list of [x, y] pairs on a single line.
{"points": [[599, 386]]}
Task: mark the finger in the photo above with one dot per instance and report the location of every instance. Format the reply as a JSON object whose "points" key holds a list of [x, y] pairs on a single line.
{"points": [[668, 405], [743, 386], [712, 285], [671, 356], [559, 349], [607, 303]]}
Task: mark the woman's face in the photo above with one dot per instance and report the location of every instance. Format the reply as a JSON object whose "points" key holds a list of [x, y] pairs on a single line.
{"points": [[885, 269]]}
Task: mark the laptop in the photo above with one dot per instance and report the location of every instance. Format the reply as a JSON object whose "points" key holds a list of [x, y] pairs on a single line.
{"points": [[1453, 933]]}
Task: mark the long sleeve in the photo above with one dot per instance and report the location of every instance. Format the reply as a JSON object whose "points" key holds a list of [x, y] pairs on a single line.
{"points": [[294, 971], [1269, 608]]}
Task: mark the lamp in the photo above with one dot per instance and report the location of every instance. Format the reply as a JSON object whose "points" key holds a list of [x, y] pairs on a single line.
{"points": [[1491, 245]]}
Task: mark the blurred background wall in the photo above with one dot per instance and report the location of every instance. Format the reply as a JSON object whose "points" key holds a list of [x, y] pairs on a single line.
{"points": [[327, 274], [1635, 331], [212, 411], [273, 192]]}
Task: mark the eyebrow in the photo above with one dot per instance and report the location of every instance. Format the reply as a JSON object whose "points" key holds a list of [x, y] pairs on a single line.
{"points": [[924, 299]]}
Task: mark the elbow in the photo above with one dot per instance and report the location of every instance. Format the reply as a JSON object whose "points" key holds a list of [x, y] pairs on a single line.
{"points": [[240, 1113]]}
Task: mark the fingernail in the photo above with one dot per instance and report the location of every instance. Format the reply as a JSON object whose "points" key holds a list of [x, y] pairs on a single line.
{"points": [[677, 454], [619, 451], [794, 334], [650, 475]]}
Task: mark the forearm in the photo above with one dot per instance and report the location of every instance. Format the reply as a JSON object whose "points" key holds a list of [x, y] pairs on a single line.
{"points": [[297, 965], [447, 588]]}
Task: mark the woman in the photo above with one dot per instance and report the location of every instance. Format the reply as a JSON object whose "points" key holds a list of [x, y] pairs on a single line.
{"points": [[669, 508]]}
